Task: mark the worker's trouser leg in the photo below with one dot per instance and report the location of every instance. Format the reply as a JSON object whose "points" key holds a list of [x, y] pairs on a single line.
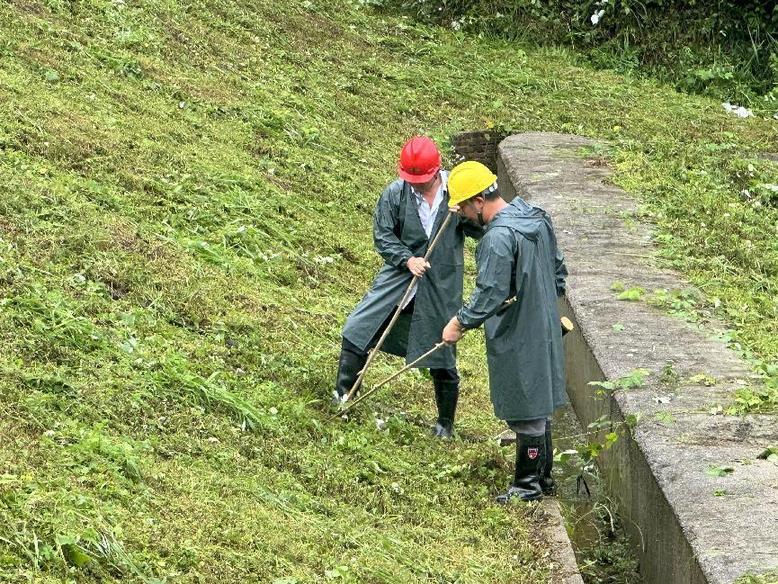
{"points": [[530, 457], [353, 359], [446, 383]]}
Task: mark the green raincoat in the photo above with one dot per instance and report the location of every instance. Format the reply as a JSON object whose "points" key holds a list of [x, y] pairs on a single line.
{"points": [[399, 235], [518, 256]]}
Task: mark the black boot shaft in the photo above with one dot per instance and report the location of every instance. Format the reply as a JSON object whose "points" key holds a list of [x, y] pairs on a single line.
{"points": [[546, 480], [530, 454], [349, 366], [446, 398]]}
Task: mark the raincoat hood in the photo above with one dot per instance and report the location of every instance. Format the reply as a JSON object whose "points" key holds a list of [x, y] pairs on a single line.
{"points": [[521, 217]]}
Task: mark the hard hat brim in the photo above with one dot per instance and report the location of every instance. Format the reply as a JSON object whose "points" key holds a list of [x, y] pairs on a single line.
{"points": [[417, 178], [455, 199]]}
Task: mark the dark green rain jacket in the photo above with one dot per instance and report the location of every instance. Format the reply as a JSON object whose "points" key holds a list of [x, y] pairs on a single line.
{"points": [[399, 235], [518, 256]]}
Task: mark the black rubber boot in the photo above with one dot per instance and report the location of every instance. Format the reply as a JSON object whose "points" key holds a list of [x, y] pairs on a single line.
{"points": [[446, 397], [546, 480], [349, 366], [526, 479]]}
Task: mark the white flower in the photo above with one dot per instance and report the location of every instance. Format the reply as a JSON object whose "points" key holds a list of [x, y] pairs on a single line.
{"points": [[597, 16]]}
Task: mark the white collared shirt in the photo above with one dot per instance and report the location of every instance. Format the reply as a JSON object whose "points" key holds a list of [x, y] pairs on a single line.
{"points": [[427, 214]]}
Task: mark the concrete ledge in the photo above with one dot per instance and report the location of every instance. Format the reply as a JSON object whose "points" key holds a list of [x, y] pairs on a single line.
{"points": [[565, 568], [688, 526]]}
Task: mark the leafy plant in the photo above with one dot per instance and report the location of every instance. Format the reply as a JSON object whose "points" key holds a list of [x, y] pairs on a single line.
{"points": [[705, 379], [754, 400], [669, 376], [766, 578], [632, 380], [631, 294], [719, 471], [683, 303]]}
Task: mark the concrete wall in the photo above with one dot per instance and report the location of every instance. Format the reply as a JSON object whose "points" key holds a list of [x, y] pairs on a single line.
{"points": [[480, 146], [657, 536]]}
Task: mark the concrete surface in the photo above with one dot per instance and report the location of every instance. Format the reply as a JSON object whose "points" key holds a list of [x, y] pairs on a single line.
{"points": [[565, 568], [689, 527]]}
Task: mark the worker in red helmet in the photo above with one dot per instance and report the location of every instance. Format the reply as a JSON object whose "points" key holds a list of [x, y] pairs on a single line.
{"points": [[405, 221]]}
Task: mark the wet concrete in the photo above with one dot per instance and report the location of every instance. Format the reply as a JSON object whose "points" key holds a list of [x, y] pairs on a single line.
{"points": [[687, 525]]}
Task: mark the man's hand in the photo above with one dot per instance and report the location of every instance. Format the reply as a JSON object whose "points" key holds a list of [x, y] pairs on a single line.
{"points": [[453, 331], [417, 266]]}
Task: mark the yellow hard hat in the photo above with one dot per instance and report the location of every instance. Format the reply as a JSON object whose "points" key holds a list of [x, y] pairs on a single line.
{"points": [[467, 180]]}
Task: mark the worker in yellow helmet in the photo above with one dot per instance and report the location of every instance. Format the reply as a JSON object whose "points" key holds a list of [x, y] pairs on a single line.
{"points": [[517, 257]]}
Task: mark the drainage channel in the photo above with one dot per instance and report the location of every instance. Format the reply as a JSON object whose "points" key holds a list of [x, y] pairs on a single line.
{"points": [[602, 548]]}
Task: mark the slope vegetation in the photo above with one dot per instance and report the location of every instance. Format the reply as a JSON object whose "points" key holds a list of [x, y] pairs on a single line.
{"points": [[185, 201]]}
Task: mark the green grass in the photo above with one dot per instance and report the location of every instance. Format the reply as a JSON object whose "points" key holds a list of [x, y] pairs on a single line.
{"points": [[185, 201], [768, 578]]}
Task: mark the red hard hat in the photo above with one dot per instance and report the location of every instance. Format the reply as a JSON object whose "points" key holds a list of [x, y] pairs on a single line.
{"points": [[419, 160]]}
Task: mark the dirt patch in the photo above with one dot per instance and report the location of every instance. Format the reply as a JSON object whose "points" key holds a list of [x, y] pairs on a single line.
{"points": [[117, 289], [7, 229], [29, 6]]}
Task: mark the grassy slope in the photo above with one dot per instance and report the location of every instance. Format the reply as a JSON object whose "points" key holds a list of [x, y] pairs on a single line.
{"points": [[185, 197]]}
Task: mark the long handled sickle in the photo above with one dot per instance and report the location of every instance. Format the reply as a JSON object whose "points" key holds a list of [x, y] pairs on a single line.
{"points": [[388, 379], [371, 355]]}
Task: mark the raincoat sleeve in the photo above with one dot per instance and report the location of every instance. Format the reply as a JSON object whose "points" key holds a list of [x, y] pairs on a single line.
{"points": [[386, 220], [471, 229], [495, 259]]}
